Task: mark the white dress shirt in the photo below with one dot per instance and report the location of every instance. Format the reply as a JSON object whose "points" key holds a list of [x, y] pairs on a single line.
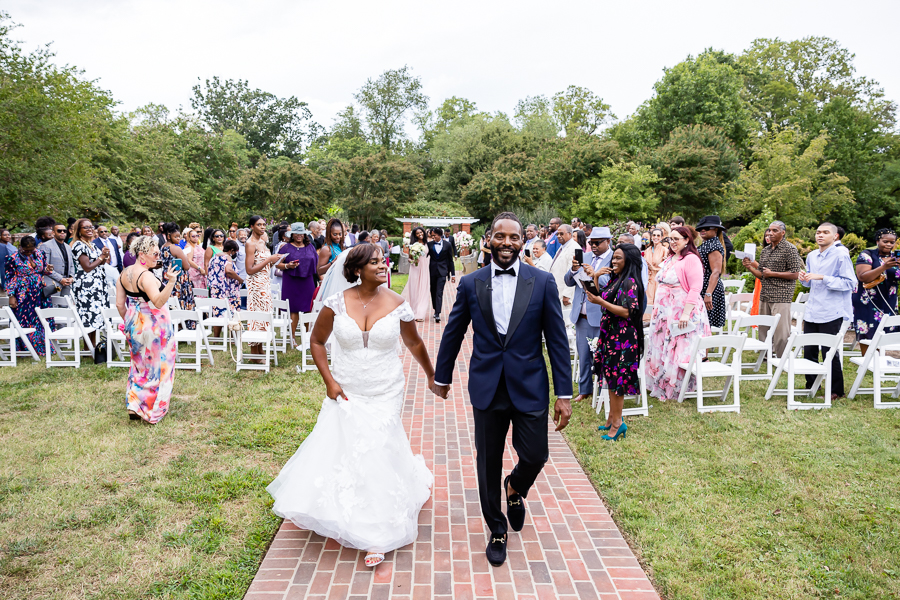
{"points": [[503, 292], [240, 263], [108, 242], [438, 246]]}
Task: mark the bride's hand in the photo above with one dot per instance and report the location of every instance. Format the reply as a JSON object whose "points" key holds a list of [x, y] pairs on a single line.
{"points": [[335, 392]]}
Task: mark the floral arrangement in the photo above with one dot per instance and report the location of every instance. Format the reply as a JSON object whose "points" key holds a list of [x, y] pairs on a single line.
{"points": [[417, 251], [463, 239], [406, 237]]}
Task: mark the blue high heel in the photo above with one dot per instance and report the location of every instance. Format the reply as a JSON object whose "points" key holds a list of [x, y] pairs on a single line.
{"points": [[621, 432], [606, 427]]}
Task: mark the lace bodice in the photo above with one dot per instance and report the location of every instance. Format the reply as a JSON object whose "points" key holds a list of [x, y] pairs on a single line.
{"points": [[367, 363]]}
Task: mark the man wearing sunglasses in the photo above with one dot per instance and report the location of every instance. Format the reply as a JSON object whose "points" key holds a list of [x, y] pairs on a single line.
{"points": [[59, 255], [585, 315]]}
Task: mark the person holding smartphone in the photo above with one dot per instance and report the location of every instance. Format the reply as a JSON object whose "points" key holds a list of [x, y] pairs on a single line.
{"points": [[562, 262], [171, 255], [878, 271]]}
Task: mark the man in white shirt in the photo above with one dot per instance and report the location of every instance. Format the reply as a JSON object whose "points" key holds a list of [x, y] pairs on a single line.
{"points": [[540, 258], [531, 235], [562, 262]]}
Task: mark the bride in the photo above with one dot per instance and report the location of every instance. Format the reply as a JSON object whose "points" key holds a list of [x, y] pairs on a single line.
{"points": [[355, 479]]}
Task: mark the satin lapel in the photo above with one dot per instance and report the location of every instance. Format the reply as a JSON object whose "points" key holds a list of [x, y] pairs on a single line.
{"points": [[483, 294], [524, 289]]}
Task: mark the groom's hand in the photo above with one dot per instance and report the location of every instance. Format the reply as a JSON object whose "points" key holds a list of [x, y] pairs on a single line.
{"points": [[439, 390], [562, 410]]}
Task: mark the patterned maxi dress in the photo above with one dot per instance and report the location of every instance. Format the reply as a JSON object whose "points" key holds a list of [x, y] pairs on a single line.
{"points": [[618, 355], [89, 289], [259, 291], [23, 280], [198, 279], [221, 286], [666, 350], [151, 339], [719, 311], [184, 289], [869, 306]]}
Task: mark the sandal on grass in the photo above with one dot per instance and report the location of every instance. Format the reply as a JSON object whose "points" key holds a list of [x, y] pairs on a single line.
{"points": [[374, 559]]}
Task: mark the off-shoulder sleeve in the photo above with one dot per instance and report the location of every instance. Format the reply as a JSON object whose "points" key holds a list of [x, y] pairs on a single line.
{"points": [[405, 312], [335, 302]]}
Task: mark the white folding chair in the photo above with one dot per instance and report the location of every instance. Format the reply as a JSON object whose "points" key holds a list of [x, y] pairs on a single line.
{"points": [[304, 334], [11, 333], [600, 400], [733, 286], [798, 310], [205, 307], [266, 338], [802, 297], [189, 336], [699, 369], [885, 370], [71, 333], [201, 293], [281, 321], [115, 340], [69, 301], [793, 364], [753, 343], [738, 306]]}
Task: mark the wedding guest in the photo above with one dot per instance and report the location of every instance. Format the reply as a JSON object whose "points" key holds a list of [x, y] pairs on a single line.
{"points": [[484, 257], [539, 257], [830, 278], [89, 288], [620, 334], [778, 269], [315, 232], [141, 301], [333, 247], [224, 281], [160, 234], [128, 258], [105, 241], [676, 221], [876, 295], [657, 251], [5, 254], [300, 262], [168, 253], [197, 254], [562, 262], [232, 231], [146, 230], [627, 238], [553, 242], [213, 246], [362, 237], [712, 255], [6, 240], [581, 240], [678, 306], [259, 266], [25, 271], [531, 234], [418, 286], [635, 230], [59, 255], [584, 314]]}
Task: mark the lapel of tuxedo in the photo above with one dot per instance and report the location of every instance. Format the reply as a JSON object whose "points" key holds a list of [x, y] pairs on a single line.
{"points": [[524, 289], [483, 294]]}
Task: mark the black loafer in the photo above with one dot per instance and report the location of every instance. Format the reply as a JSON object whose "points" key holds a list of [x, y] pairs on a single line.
{"points": [[496, 549], [515, 508]]}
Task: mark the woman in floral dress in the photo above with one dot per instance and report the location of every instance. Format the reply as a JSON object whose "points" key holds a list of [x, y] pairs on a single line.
{"points": [[184, 288], [89, 289], [141, 302], [224, 282], [24, 284], [194, 250], [678, 305], [620, 345], [870, 305]]}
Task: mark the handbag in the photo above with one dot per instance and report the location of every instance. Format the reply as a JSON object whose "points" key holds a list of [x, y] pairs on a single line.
{"points": [[100, 353], [874, 282], [49, 290]]}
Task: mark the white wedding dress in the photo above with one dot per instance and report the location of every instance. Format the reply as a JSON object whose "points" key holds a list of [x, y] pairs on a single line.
{"points": [[355, 479]]}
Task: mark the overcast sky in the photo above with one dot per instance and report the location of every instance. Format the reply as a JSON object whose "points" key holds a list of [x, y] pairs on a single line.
{"points": [[493, 53]]}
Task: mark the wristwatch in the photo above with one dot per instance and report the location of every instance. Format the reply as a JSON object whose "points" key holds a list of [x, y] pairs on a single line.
{"points": [[710, 295]]}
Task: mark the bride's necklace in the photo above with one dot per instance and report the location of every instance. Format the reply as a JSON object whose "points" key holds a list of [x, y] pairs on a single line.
{"points": [[365, 304]]}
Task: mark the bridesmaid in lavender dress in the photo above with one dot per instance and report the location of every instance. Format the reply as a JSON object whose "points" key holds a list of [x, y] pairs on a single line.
{"points": [[418, 287]]}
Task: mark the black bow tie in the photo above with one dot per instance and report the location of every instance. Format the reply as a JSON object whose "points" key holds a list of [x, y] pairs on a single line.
{"points": [[498, 272]]}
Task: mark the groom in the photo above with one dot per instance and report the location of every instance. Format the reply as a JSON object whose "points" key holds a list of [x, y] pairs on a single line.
{"points": [[511, 306]]}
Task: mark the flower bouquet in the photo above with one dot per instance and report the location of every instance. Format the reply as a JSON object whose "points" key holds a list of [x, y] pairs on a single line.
{"points": [[406, 237], [463, 241], [417, 251]]}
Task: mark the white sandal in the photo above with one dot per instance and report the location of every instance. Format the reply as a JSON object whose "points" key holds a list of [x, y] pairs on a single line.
{"points": [[374, 559]]}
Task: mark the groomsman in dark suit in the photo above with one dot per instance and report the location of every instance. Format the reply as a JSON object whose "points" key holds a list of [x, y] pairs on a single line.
{"points": [[441, 266], [104, 241]]}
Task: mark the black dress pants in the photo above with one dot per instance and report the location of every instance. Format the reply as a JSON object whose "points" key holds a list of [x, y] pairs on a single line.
{"points": [[812, 353], [437, 292], [529, 438]]}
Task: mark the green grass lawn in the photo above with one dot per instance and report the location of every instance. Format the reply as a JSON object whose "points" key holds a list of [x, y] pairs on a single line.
{"points": [[93, 505], [762, 504]]}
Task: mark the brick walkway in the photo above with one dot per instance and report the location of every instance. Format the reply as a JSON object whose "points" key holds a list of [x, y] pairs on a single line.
{"points": [[569, 547]]}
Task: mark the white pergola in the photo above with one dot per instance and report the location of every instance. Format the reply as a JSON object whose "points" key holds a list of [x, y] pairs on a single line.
{"points": [[438, 221]]}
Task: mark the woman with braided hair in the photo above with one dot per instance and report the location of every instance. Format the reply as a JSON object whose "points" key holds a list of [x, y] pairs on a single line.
{"points": [[876, 295]]}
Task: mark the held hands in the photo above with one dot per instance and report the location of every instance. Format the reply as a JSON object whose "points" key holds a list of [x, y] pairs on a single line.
{"points": [[438, 390], [562, 411]]}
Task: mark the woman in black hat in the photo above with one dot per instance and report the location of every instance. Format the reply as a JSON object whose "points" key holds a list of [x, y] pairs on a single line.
{"points": [[712, 255]]}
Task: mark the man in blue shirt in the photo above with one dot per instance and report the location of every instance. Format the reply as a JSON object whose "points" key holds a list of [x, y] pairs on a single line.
{"points": [[831, 280], [553, 243]]}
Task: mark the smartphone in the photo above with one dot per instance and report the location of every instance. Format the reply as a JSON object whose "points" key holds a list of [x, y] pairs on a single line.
{"points": [[895, 254], [177, 264], [579, 255], [589, 286], [528, 252]]}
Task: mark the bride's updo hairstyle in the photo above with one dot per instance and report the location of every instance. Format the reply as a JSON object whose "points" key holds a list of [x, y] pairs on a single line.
{"points": [[357, 258]]}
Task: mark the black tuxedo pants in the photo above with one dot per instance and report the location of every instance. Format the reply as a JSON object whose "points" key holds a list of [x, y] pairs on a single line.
{"points": [[437, 292], [529, 438]]}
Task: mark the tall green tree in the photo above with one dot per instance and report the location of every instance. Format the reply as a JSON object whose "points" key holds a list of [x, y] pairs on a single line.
{"points": [[622, 189], [791, 176], [513, 180], [387, 101], [283, 188], [271, 125], [51, 119], [370, 188], [579, 110]]}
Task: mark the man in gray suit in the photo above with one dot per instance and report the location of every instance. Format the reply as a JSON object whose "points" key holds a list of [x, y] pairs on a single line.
{"points": [[58, 254], [585, 315]]}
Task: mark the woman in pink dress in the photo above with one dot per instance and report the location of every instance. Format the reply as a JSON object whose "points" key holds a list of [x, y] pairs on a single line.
{"points": [[418, 287], [195, 251], [678, 305]]}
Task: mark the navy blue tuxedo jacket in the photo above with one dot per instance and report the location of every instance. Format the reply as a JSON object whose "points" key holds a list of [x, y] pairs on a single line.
{"points": [[519, 358]]}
